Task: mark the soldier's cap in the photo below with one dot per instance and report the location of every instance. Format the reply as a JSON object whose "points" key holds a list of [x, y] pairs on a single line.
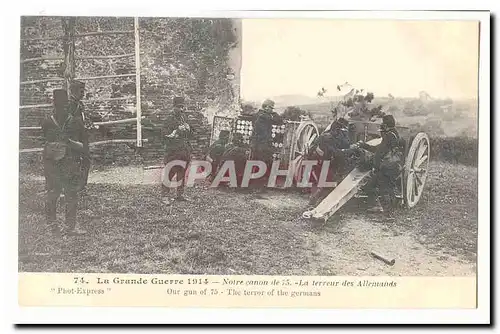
{"points": [[75, 84], [389, 121], [60, 95], [178, 101], [268, 103]]}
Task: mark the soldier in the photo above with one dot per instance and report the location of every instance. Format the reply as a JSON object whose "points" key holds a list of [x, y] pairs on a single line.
{"points": [[216, 151], [387, 166], [238, 152], [341, 149], [77, 109], [176, 134], [333, 145], [262, 148], [64, 135]]}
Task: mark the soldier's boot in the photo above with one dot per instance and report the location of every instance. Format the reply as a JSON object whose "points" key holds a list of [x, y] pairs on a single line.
{"points": [[72, 228], [165, 192], [374, 205], [313, 199], [51, 211], [180, 195], [180, 189], [85, 174], [388, 203], [54, 225]]}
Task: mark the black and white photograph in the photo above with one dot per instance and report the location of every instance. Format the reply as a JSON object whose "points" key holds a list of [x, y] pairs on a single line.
{"points": [[259, 146]]}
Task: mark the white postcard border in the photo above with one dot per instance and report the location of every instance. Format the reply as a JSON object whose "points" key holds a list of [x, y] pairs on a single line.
{"points": [[150, 315]]}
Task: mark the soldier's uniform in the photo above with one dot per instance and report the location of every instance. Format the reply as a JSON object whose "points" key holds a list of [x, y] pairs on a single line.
{"points": [[77, 109], [216, 150], [262, 149], [341, 149], [238, 152], [387, 166], [61, 160], [176, 133], [333, 145]]}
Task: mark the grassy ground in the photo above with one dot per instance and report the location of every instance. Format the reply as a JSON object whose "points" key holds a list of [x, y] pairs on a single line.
{"points": [[223, 232]]}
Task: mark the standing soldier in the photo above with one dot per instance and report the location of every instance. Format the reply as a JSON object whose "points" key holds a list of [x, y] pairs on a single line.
{"points": [[77, 109], [176, 134], [64, 136], [216, 151], [262, 148], [387, 166]]}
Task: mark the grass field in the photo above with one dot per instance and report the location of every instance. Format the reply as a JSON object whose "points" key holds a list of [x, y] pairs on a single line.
{"points": [[224, 232]]}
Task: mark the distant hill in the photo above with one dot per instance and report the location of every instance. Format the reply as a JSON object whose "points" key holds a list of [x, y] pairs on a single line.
{"points": [[437, 117], [283, 101]]}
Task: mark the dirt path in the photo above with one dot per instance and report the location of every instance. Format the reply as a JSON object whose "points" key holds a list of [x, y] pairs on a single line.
{"points": [[343, 246]]}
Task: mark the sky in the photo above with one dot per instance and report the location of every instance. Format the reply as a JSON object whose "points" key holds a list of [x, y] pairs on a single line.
{"points": [[402, 58]]}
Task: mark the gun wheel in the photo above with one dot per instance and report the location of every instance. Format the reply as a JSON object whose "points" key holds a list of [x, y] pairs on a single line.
{"points": [[416, 168]]}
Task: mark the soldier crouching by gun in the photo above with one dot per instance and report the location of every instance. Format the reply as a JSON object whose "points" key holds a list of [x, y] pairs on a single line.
{"points": [[64, 136], [387, 166], [216, 151], [238, 152], [333, 145], [175, 134]]}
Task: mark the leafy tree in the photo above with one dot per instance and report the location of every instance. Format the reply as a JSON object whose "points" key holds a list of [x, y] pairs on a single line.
{"points": [[356, 104], [293, 113]]}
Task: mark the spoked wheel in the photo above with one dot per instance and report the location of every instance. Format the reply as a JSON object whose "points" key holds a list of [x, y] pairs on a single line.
{"points": [[416, 168], [305, 135]]}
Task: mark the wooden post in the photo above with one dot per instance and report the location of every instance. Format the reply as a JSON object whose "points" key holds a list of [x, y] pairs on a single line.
{"points": [[69, 49], [138, 81]]}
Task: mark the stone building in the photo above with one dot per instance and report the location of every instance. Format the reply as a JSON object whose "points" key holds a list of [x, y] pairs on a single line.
{"points": [[198, 58]]}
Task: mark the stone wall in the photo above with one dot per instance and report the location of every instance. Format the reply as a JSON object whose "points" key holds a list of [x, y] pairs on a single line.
{"points": [[195, 58]]}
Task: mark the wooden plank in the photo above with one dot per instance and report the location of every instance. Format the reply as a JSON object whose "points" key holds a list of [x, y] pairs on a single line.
{"points": [[88, 78], [41, 39], [110, 141], [104, 99], [114, 141], [27, 60], [46, 105], [95, 33], [41, 80], [119, 121], [102, 33], [138, 81], [125, 55], [30, 150], [108, 76]]}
